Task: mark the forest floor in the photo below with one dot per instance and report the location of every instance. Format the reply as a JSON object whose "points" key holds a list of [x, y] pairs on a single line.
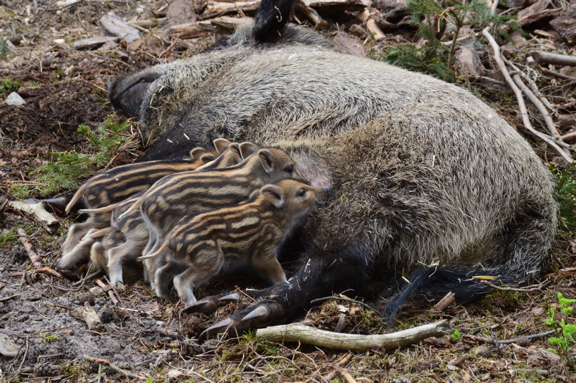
{"points": [[43, 337]]}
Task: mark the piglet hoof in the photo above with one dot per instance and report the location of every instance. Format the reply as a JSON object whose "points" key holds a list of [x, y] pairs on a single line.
{"points": [[205, 306]]}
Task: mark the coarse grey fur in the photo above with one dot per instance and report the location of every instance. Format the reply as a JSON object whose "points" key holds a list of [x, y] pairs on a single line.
{"points": [[422, 172]]}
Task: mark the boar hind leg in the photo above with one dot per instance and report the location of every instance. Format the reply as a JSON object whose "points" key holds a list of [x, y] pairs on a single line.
{"points": [[323, 273]]}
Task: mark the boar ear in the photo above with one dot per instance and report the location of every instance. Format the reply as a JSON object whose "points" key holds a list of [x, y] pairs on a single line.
{"points": [[247, 149], [267, 160], [271, 19], [235, 149], [206, 158], [128, 93], [273, 194], [221, 144], [197, 152]]}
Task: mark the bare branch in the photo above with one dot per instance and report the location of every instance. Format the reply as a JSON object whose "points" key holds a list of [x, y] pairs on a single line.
{"points": [[548, 120], [114, 367], [298, 332], [553, 58], [519, 95]]}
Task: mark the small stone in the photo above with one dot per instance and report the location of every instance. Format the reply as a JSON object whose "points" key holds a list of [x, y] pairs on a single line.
{"points": [[14, 99], [7, 347], [59, 41], [483, 351], [113, 25], [96, 290]]}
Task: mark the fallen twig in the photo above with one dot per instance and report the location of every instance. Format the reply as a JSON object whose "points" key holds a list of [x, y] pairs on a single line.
{"points": [[553, 58], [556, 74], [568, 137], [531, 84], [521, 290], [540, 107], [338, 364], [114, 367], [34, 258], [310, 13], [508, 341], [519, 95], [88, 315], [445, 302], [365, 17], [108, 289], [298, 332], [4, 299], [48, 270]]}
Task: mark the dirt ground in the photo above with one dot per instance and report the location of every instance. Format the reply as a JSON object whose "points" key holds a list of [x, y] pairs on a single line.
{"points": [[146, 337]]}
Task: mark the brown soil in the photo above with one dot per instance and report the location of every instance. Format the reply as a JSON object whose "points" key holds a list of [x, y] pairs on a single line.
{"points": [[145, 335]]}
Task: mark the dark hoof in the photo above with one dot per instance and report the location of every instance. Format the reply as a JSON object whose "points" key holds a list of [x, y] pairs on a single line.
{"points": [[258, 313], [230, 298], [205, 306], [219, 328]]}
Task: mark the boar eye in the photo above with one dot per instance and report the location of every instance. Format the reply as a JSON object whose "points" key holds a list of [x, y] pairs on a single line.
{"points": [[289, 169], [301, 193]]}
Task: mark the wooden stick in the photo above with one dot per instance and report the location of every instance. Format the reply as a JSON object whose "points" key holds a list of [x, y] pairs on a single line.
{"points": [[519, 95], [34, 258], [531, 85], [109, 290], [38, 212], [445, 302], [48, 270], [538, 288], [556, 74], [507, 341], [553, 58], [114, 367], [540, 107], [310, 13], [568, 137], [297, 332]]}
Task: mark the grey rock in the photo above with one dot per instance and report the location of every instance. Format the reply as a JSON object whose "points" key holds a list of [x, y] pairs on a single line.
{"points": [[14, 99]]}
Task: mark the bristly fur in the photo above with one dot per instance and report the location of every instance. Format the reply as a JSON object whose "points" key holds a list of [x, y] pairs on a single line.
{"points": [[422, 172]]}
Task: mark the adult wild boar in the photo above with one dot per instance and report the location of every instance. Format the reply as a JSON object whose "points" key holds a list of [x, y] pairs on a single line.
{"points": [[425, 177]]}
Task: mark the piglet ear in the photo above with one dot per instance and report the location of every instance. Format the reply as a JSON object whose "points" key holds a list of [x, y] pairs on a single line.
{"points": [[206, 158], [221, 144], [267, 160], [273, 194], [271, 19], [235, 150], [247, 149], [197, 152]]}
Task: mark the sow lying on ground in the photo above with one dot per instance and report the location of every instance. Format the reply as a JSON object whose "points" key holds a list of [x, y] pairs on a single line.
{"points": [[422, 172]]}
